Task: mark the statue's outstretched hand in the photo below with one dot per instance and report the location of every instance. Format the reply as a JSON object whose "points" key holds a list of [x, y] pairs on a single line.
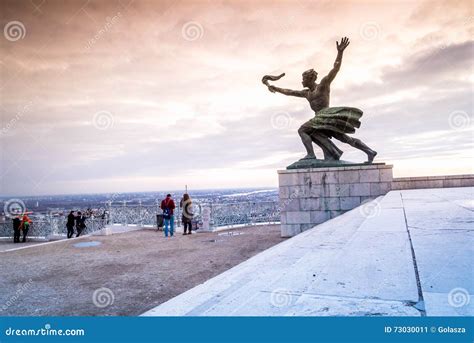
{"points": [[344, 43]]}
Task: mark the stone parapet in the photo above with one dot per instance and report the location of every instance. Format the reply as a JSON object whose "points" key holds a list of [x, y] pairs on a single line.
{"points": [[441, 181]]}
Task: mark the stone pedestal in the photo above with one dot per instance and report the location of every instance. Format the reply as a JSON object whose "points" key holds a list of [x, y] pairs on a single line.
{"points": [[311, 196]]}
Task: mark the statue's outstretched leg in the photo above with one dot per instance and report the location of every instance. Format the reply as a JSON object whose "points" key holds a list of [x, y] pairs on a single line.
{"points": [[330, 150], [304, 131], [356, 143]]}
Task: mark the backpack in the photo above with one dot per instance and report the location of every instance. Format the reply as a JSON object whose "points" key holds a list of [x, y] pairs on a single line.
{"points": [[166, 213]]}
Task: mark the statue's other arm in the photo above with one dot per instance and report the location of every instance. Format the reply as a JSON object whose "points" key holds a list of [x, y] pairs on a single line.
{"points": [[290, 92], [337, 64]]}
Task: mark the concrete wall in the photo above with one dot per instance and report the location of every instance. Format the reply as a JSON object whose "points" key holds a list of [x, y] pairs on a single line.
{"points": [[444, 181]]}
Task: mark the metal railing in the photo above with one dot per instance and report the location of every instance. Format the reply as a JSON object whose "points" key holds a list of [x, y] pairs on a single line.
{"points": [[49, 226], [132, 214], [244, 213], [218, 215]]}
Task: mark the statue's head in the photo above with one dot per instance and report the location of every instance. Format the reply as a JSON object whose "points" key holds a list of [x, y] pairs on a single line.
{"points": [[309, 78]]}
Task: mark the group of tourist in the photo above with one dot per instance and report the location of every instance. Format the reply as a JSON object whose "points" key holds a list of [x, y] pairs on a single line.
{"points": [[21, 224], [168, 206], [77, 220]]}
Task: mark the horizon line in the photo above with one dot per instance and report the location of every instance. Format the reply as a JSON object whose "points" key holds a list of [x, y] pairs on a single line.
{"points": [[130, 192]]}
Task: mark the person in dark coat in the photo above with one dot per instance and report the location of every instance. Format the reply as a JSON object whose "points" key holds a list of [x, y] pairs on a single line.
{"points": [[187, 214], [71, 218], [16, 229], [80, 223]]}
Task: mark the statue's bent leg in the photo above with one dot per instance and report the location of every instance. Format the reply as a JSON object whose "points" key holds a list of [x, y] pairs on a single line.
{"points": [[330, 150], [304, 131], [356, 143]]}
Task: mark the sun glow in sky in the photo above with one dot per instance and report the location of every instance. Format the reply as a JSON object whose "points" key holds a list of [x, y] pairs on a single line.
{"points": [[116, 96]]}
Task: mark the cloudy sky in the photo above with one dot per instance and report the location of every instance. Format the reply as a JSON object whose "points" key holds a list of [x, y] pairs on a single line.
{"points": [[116, 96]]}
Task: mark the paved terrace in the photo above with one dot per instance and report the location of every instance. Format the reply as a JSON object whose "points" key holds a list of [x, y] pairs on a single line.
{"points": [[408, 253], [126, 274]]}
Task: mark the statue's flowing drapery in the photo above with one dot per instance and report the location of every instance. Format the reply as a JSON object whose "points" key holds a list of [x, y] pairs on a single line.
{"points": [[337, 119]]}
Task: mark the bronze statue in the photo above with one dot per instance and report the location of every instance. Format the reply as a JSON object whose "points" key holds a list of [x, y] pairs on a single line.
{"points": [[328, 121]]}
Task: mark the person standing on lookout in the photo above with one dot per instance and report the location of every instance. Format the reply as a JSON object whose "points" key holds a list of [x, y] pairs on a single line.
{"points": [[70, 224], [16, 229], [80, 223], [168, 206], [25, 226], [328, 121], [187, 210]]}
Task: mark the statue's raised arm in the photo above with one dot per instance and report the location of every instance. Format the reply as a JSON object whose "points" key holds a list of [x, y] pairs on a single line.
{"points": [[337, 64]]}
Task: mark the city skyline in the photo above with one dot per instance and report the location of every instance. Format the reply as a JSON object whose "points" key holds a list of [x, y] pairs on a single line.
{"points": [[173, 192], [128, 96]]}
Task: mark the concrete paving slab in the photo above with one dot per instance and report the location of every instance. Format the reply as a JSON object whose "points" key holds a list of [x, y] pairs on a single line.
{"points": [[444, 259], [392, 199], [386, 220], [282, 302], [457, 303], [438, 216], [374, 265], [317, 305], [442, 231]]}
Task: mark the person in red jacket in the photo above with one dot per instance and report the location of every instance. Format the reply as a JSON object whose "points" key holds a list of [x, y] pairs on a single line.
{"points": [[168, 206], [25, 226]]}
